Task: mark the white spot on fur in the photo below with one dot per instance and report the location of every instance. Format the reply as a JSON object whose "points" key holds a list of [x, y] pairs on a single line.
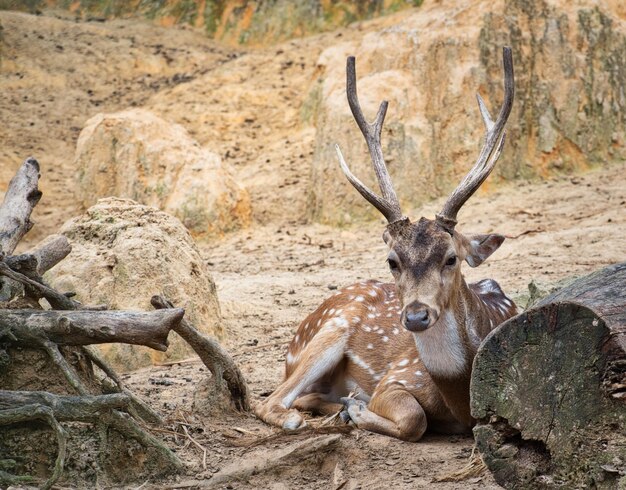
{"points": [[385, 339], [371, 315], [418, 373], [359, 298], [360, 362], [403, 362], [395, 331], [370, 346]]}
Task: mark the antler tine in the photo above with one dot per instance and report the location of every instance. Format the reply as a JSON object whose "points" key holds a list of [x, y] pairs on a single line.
{"points": [[388, 205], [490, 151]]}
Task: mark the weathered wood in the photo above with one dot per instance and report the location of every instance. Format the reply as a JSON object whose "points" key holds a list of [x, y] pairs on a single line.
{"points": [[57, 300], [65, 407], [84, 327], [46, 254], [20, 199], [214, 357], [549, 389]]}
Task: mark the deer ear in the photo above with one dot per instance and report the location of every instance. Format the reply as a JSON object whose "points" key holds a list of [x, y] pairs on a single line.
{"points": [[480, 247]]}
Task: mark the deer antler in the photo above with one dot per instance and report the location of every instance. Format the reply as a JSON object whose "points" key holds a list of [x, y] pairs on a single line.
{"points": [[388, 204], [490, 152]]}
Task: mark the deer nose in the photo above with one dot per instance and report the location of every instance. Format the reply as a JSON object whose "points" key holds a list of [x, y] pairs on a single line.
{"points": [[416, 317]]}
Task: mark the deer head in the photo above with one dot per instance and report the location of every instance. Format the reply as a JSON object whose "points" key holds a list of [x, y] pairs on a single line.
{"points": [[425, 256]]}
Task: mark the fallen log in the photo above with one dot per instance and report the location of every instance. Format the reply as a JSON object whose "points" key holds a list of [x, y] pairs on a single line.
{"points": [[549, 389], [85, 327]]}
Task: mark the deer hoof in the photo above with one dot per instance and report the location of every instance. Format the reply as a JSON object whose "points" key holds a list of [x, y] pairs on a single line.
{"points": [[344, 416], [294, 421]]}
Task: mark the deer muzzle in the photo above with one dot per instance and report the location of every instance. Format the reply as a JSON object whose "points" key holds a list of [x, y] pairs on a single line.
{"points": [[417, 317]]}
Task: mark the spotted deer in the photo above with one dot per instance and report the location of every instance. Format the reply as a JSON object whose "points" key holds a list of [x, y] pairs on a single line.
{"points": [[405, 349]]}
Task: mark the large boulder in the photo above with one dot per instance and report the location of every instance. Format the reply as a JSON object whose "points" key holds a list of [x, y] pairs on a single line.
{"points": [[138, 155], [569, 111], [122, 254]]}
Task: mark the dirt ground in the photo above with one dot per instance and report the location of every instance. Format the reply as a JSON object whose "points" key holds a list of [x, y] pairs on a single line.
{"points": [[57, 73]]}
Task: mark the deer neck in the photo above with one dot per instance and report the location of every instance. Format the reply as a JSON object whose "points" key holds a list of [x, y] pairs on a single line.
{"points": [[447, 349]]}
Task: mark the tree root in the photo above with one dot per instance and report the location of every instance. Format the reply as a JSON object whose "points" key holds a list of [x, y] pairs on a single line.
{"points": [[225, 372], [137, 407], [37, 411]]}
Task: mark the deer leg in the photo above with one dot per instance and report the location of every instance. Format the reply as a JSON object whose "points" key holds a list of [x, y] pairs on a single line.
{"points": [[323, 354], [393, 412], [317, 403]]}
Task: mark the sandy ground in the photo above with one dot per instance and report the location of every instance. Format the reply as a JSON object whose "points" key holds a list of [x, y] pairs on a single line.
{"points": [[57, 73]]}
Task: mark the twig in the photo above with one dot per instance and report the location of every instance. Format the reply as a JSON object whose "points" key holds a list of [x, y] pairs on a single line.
{"points": [[526, 232], [57, 300], [198, 445], [262, 346], [140, 407]]}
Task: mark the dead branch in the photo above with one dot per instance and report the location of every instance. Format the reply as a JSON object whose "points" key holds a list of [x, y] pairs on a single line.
{"points": [[263, 461], [213, 355], [57, 300], [137, 406], [85, 327], [20, 199]]}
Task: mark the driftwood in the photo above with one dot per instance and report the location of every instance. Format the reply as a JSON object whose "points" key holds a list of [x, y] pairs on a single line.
{"points": [[549, 389], [42, 258], [31, 327], [225, 372], [20, 199]]}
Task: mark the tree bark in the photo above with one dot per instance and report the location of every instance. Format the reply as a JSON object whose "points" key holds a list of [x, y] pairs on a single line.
{"points": [[46, 254], [20, 199], [549, 389], [83, 327]]}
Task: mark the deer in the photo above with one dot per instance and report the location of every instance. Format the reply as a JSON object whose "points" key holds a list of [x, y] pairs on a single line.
{"points": [[404, 350]]}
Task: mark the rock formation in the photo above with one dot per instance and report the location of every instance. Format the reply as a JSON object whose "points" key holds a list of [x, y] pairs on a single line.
{"points": [[569, 113], [135, 154], [122, 254]]}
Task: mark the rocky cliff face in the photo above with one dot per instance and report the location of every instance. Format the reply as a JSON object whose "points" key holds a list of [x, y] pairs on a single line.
{"points": [[569, 112]]}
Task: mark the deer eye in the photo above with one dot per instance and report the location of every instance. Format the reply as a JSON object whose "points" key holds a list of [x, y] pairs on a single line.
{"points": [[451, 260], [393, 265]]}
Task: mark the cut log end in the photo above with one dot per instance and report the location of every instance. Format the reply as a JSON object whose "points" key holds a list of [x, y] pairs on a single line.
{"points": [[548, 389]]}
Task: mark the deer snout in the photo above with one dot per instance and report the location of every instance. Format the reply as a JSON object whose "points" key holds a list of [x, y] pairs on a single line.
{"points": [[417, 317]]}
